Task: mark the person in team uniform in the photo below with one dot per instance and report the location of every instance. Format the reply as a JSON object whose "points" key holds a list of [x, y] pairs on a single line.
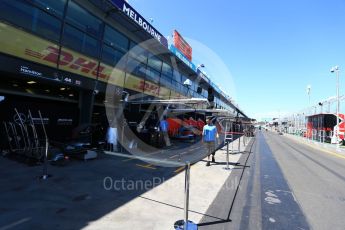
{"points": [[209, 138], [164, 126]]}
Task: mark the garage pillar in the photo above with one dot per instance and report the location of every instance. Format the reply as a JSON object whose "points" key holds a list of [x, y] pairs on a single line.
{"points": [[86, 101]]}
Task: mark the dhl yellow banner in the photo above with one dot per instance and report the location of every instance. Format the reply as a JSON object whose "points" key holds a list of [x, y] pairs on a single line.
{"points": [[24, 45], [29, 47], [77, 63], [21, 44], [164, 93], [111, 75], [174, 95], [134, 83], [151, 89], [74, 62]]}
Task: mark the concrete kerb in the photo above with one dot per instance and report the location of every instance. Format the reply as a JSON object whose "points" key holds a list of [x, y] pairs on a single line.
{"points": [[324, 146]]}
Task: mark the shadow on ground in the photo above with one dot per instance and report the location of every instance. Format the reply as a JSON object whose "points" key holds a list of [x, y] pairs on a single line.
{"points": [[76, 194]]}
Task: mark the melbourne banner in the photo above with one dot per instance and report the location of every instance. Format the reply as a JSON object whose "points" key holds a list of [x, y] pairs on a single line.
{"points": [[137, 18]]}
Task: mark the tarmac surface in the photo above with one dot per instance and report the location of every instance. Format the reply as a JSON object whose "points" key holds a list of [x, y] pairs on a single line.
{"points": [[317, 179], [285, 185]]}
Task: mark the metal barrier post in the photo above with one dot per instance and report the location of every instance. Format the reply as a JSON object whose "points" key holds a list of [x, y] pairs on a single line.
{"points": [[226, 130], [244, 139], [239, 144], [186, 195], [227, 156], [185, 223], [232, 144]]}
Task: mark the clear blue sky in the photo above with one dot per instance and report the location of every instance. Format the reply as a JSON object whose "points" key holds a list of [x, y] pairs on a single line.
{"points": [[273, 49]]}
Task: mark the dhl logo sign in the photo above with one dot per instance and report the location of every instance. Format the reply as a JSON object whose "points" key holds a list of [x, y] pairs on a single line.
{"points": [[21, 44], [27, 46], [148, 87], [140, 85], [80, 65], [24, 45]]}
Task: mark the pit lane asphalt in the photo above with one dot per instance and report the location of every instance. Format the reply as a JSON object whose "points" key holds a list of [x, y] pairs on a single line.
{"points": [[285, 185]]}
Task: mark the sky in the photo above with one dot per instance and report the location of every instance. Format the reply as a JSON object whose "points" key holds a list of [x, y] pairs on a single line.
{"points": [[272, 49]]}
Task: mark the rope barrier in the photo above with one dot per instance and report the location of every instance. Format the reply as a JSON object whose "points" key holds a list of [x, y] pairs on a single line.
{"points": [[232, 132]]}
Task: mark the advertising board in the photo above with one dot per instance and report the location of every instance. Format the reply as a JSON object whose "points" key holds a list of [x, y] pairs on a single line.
{"points": [[182, 45]]}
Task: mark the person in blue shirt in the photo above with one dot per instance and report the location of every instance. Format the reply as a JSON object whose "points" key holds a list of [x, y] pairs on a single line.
{"points": [[164, 125], [209, 138]]}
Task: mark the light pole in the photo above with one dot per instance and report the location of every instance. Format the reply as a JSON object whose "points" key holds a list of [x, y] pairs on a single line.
{"points": [[294, 123], [200, 66], [329, 102], [319, 122], [308, 92], [336, 70], [302, 121], [321, 107], [199, 89]]}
